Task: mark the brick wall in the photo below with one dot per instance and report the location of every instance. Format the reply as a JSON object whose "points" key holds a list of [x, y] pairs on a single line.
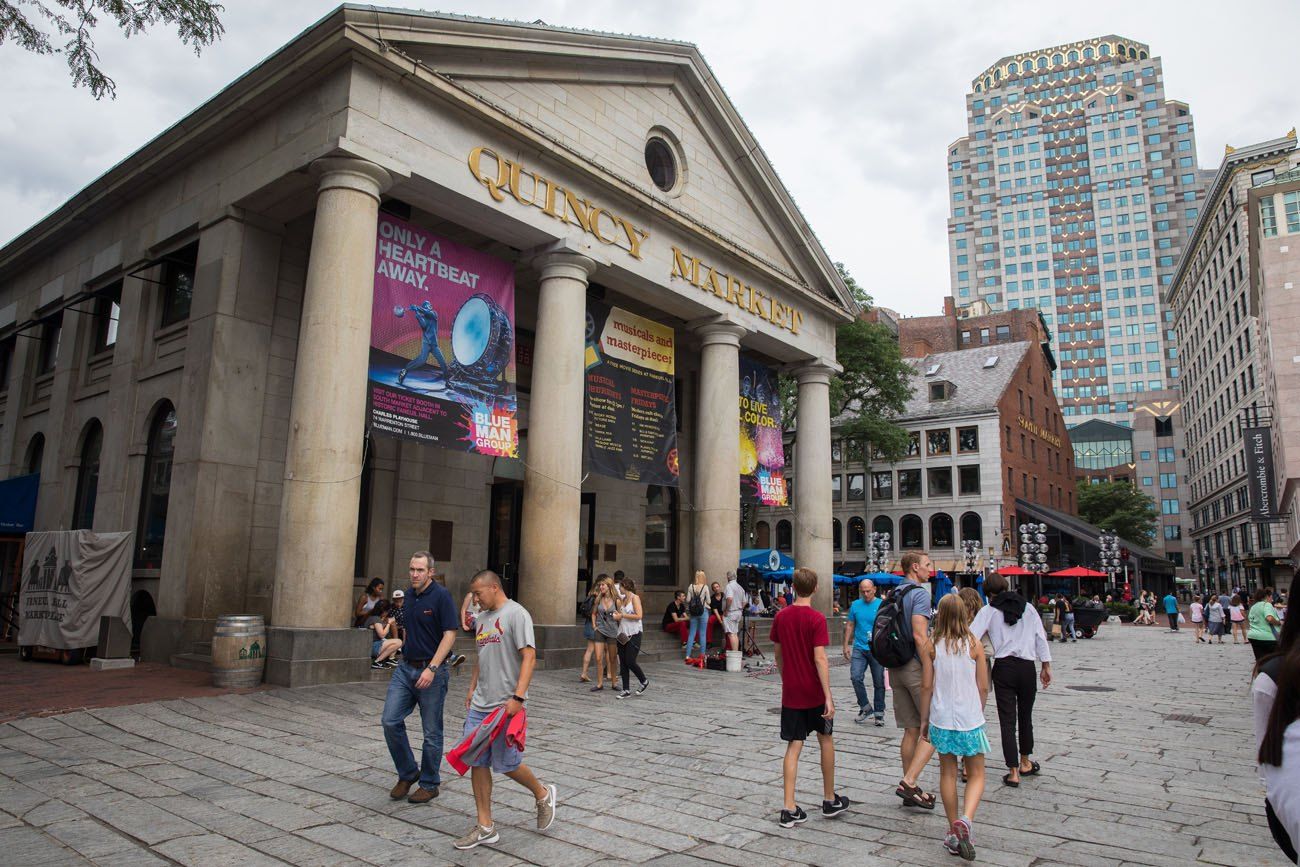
{"points": [[1034, 468]]}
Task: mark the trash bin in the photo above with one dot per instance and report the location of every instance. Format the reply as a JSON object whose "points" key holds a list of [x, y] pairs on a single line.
{"points": [[238, 651]]}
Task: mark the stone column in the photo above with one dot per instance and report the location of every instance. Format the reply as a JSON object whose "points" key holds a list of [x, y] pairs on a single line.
{"points": [[813, 536], [322, 474], [717, 451], [548, 554]]}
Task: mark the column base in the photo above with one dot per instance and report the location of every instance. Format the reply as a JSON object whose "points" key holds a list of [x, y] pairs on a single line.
{"points": [[559, 646], [310, 657]]}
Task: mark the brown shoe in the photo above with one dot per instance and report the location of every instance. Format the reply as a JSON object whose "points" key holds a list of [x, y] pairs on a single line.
{"points": [[399, 791], [422, 795]]}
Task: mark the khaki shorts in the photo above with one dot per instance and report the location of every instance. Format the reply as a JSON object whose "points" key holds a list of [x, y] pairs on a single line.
{"points": [[731, 623], [906, 685]]}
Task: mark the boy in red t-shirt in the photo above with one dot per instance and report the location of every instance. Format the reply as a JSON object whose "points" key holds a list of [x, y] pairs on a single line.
{"points": [[800, 635]]}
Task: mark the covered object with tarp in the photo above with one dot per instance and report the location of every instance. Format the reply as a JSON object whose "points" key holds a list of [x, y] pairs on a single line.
{"points": [[70, 579]]}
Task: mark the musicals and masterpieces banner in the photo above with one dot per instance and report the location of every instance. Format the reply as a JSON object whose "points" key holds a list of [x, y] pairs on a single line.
{"points": [[631, 408], [762, 452], [442, 336]]}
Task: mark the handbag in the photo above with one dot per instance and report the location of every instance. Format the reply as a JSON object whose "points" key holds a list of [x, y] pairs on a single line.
{"points": [[624, 638]]}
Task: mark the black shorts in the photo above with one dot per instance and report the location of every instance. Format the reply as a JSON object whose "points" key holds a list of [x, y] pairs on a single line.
{"points": [[796, 723]]}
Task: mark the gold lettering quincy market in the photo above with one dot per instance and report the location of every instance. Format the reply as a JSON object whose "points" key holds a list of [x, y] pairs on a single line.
{"points": [[506, 178], [704, 276]]}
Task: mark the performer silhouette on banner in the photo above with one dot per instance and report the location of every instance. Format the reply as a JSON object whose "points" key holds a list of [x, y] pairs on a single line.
{"points": [[428, 319]]}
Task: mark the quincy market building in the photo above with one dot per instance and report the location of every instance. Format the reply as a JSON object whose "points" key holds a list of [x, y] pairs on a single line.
{"points": [[185, 342]]}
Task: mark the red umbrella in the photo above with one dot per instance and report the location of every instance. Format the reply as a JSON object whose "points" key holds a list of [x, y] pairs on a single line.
{"points": [[1077, 572], [1008, 571]]}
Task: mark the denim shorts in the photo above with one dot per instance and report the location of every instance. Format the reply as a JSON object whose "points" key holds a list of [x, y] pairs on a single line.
{"points": [[374, 647], [501, 757]]}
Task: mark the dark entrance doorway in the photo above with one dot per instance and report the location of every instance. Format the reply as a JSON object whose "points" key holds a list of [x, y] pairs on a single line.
{"points": [[503, 533], [586, 544]]}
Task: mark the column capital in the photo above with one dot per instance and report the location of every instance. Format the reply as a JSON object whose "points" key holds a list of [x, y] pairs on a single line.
{"points": [[351, 174], [814, 373], [718, 332], [564, 263]]}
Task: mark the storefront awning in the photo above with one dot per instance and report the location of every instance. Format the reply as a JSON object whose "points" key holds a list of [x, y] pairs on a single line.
{"points": [[18, 504], [1144, 558]]}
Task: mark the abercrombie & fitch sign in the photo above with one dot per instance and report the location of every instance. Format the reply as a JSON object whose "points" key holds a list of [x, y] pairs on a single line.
{"points": [[1259, 471]]}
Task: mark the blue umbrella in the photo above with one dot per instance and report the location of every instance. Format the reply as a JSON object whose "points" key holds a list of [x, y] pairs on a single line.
{"points": [[882, 579]]}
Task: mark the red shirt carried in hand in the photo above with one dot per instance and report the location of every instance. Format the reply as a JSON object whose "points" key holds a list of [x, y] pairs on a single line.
{"points": [[798, 629]]}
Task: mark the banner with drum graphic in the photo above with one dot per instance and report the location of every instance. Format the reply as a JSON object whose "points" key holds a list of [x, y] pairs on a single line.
{"points": [[762, 450], [442, 339], [631, 404]]}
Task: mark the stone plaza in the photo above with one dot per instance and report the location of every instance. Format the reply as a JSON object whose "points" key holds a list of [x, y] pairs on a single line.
{"points": [[1150, 763]]}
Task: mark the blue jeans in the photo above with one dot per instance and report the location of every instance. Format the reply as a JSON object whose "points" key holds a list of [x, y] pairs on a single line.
{"points": [[699, 626], [858, 664], [401, 700], [1067, 628]]}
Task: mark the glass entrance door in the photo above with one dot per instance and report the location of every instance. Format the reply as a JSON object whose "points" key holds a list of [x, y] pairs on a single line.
{"points": [[503, 534]]}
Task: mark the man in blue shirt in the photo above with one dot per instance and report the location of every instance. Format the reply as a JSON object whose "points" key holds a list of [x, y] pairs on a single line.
{"points": [[1171, 609], [857, 650], [421, 679]]}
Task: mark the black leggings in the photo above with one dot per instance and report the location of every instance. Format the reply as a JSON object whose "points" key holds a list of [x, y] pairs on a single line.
{"points": [[1280, 835], [1262, 647], [1015, 688], [627, 654]]}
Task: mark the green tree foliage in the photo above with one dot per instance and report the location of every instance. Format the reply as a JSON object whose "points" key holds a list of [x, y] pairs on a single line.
{"points": [[872, 389], [1121, 507], [36, 26]]}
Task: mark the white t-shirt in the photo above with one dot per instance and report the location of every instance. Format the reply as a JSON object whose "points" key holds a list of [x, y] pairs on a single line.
{"points": [[1281, 785], [735, 597], [1196, 612]]}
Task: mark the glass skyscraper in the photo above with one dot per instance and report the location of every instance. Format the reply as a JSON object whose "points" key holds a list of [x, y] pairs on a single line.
{"points": [[1073, 192]]}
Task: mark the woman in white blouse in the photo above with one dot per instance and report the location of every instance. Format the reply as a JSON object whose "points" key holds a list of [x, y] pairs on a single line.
{"points": [[1016, 632], [1275, 695]]}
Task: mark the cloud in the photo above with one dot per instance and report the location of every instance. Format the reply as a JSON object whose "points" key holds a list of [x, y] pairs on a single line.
{"points": [[853, 103]]}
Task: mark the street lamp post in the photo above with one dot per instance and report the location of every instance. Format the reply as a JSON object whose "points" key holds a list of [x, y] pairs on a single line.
{"points": [[970, 552], [1108, 543], [878, 551], [1033, 549]]}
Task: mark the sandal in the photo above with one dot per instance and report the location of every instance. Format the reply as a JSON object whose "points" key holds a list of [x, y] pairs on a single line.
{"points": [[1007, 781], [597, 688], [1033, 770], [913, 796], [582, 678]]}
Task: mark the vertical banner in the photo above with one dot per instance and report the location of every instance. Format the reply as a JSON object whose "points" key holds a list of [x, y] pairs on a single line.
{"points": [[630, 404], [1259, 471], [442, 337], [762, 453]]}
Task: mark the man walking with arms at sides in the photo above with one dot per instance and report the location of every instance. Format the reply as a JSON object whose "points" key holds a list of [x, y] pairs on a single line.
{"points": [[734, 609], [421, 680], [800, 635], [1171, 610], [858, 627], [901, 641], [507, 654]]}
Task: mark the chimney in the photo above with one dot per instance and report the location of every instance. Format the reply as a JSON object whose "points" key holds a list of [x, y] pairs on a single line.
{"points": [[949, 307]]}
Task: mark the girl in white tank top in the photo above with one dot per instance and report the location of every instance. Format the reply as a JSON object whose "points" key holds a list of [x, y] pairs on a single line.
{"points": [[961, 685]]}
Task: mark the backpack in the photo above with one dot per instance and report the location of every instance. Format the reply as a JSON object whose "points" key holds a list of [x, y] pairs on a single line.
{"points": [[892, 644], [586, 606], [694, 605]]}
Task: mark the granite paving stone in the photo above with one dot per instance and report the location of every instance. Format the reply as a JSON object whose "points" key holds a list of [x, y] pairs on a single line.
{"points": [[688, 774]]}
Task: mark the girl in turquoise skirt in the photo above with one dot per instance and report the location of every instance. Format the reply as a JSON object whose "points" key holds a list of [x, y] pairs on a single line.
{"points": [[961, 685]]}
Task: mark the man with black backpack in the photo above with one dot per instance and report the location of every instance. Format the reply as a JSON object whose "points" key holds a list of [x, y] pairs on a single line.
{"points": [[900, 641]]}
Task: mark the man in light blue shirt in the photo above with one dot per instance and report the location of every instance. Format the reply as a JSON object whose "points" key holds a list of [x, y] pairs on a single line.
{"points": [[857, 650], [1171, 609]]}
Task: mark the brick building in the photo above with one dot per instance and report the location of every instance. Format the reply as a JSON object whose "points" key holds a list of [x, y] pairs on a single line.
{"points": [[971, 326]]}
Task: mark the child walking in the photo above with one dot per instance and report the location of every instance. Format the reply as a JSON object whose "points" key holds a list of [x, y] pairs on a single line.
{"points": [[961, 686], [800, 635]]}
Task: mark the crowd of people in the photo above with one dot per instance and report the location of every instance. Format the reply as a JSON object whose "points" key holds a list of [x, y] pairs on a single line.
{"points": [[942, 661]]}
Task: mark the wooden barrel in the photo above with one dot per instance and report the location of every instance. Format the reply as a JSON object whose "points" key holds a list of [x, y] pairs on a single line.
{"points": [[238, 651]]}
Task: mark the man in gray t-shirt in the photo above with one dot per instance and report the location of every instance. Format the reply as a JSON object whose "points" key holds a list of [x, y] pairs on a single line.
{"points": [[507, 655]]}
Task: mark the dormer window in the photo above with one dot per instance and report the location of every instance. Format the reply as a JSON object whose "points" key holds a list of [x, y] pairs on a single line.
{"points": [[941, 390]]}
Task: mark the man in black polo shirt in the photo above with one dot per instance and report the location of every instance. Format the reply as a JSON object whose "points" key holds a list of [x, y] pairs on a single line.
{"points": [[431, 624]]}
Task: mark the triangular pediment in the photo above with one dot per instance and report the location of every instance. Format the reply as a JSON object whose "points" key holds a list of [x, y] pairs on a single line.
{"points": [[601, 97]]}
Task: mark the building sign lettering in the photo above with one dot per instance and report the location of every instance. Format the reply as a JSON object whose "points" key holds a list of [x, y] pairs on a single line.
{"points": [[1044, 435], [731, 289], [504, 177], [1259, 466]]}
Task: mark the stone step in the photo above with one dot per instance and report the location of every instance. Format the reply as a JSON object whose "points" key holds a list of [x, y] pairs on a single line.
{"points": [[192, 661]]}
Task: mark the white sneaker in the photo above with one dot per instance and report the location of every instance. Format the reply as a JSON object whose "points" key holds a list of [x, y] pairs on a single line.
{"points": [[863, 715]]}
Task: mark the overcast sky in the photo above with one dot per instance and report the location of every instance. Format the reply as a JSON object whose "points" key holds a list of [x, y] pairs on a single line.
{"points": [[854, 103]]}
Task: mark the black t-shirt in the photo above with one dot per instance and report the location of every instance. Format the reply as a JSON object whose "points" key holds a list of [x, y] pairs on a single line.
{"points": [[674, 608], [1062, 607], [716, 603]]}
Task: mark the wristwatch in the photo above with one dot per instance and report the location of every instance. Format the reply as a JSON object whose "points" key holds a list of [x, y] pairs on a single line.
{"points": [[432, 666], [518, 698]]}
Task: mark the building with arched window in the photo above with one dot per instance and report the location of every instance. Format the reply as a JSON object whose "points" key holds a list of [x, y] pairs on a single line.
{"points": [[209, 302]]}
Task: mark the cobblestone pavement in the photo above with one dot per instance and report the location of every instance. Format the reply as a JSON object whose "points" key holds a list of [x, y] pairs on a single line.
{"points": [[688, 774]]}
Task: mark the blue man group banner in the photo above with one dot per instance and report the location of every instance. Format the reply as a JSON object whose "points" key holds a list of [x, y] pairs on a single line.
{"points": [[442, 341], [631, 403], [762, 449]]}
